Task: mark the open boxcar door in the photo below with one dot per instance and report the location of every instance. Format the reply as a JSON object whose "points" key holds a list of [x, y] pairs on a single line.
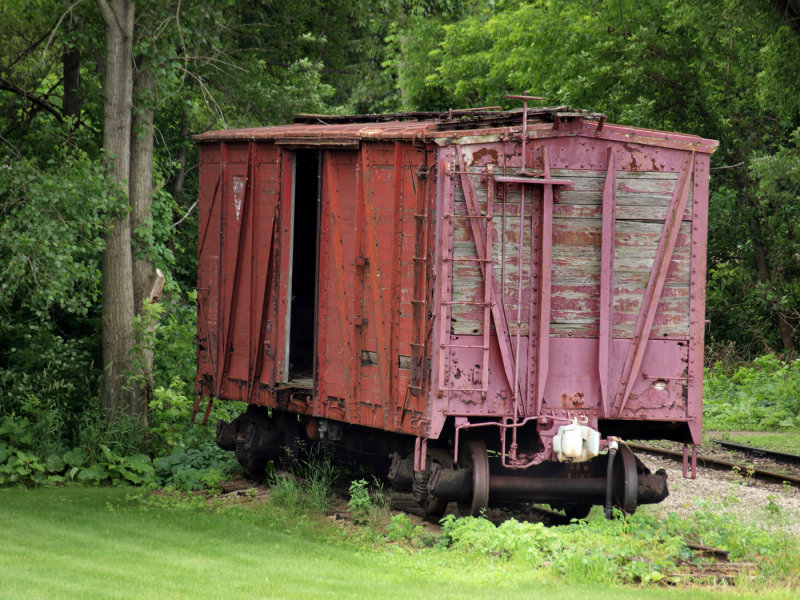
{"points": [[242, 292]]}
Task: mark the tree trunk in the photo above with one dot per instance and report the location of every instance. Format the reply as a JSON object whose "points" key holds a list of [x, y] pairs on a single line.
{"points": [[180, 178], [141, 199], [72, 103], [763, 268], [141, 186], [120, 395]]}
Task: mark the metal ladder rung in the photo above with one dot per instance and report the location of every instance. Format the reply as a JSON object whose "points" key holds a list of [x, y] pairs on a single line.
{"points": [[467, 260], [463, 346], [455, 216], [465, 303]]}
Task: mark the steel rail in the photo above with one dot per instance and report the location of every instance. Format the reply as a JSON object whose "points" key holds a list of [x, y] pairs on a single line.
{"points": [[783, 457], [716, 463]]}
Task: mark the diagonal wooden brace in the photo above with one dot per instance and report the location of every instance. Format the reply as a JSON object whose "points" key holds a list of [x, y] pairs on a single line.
{"points": [[658, 275], [498, 311]]}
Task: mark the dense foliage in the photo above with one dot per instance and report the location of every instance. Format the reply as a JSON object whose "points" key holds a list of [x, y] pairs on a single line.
{"points": [[762, 396], [207, 64]]}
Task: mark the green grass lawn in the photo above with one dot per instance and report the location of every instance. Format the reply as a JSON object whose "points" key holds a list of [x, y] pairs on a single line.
{"points": [[61, 543]]}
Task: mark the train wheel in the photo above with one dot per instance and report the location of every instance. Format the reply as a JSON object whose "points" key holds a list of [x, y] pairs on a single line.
{"points": [[251, 426], [253, 464], [626, 481], [433, 506], [475, 457]]}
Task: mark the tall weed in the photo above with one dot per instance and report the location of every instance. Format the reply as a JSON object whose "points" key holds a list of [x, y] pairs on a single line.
{"points": [[307, 487]]}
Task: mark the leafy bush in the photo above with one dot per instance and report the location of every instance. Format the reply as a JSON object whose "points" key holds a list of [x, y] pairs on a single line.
{"points": [[360, 501], [51, 243], [52, 429], [194, 468], [48, 378], [763, 396], [642, 548], [20, 464], [175, 353], [402, 528]]}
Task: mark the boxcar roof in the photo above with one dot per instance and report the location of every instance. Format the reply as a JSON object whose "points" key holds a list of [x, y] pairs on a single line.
{"points": [[462, 126]]}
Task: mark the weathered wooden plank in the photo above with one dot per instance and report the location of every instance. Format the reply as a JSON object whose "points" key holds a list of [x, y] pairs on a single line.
{"points": [[642, 203]]}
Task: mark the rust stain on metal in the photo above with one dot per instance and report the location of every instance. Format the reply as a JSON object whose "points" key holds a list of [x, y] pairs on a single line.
{"points": [[484, 156], [572, 400]]}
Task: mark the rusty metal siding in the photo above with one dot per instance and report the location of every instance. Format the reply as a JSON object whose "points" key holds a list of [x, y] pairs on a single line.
{"points": [[208, 268]]}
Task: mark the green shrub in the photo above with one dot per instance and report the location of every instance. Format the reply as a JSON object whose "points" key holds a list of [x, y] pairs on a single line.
{"points": [[367, 502], [643, 547], [52, 429], [360, 502], [764, 396]]}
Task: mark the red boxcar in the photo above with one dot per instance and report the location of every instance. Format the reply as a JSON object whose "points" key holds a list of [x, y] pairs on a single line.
{"points": [[492, 297]]}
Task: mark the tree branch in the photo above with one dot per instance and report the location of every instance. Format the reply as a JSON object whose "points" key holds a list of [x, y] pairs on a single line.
{"points": [[789, 11], [55, 27], [183, 218], [40, 102]]}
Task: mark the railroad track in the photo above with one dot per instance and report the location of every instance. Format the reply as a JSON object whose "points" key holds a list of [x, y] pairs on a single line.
{"points": [[713, 462], [781, 457]]}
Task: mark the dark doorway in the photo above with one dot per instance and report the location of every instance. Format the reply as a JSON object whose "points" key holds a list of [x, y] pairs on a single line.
{"points": [[304, 265]]}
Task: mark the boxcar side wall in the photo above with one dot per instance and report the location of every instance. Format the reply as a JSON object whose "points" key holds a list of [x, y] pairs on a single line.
{"points": [[370, 282], [596, 285]]}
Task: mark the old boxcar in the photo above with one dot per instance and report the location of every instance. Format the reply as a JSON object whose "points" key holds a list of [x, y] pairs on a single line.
{"points": [[489, 301]]}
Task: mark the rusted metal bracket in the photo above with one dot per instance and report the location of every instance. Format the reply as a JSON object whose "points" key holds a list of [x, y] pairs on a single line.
{"points": [[545, 284], [540, 180], [197, 407], [420, 452], [686, 461]]}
